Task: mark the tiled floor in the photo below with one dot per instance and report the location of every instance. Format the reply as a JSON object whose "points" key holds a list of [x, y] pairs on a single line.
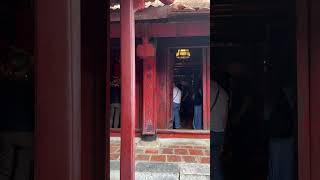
{"points": [[171, 151]]}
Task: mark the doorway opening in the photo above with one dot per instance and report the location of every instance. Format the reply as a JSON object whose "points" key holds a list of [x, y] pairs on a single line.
{"points": [[17, 92], [187, 107]]}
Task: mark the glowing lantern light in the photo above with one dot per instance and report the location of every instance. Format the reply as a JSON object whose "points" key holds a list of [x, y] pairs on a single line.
{"points": [[183, 54]]}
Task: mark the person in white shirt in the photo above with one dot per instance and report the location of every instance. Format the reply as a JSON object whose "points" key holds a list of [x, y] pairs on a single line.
{"points": [[219, 106], [176, 106]]}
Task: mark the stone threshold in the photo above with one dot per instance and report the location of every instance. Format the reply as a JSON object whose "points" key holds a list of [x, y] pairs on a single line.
{"points": [[164, 171]]}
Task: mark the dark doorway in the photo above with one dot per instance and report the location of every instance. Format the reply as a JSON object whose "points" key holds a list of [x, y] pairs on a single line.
{"points": [[17, 92], [187, 74], [253, 59]]}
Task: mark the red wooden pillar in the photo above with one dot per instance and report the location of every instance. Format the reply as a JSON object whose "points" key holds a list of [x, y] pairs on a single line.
{"points": [[149, 83], [70, 71], [303, 71], [146, 51], [308, 59], [314, 40], [58, 84], [94, 41], [128, 100], [206, 88]]}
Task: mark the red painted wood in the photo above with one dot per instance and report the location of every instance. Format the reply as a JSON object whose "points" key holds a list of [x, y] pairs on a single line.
{"points": [[94, 58], [138, 5], [303, 90], [58, 102], [206, 88], [193, 136], [107, 114], [128, 95], [117, 133], [169, 89], [168, 133], [188, 29], [147, 53], [139, 93], [149, 83], [314, 87], [161, 92]]}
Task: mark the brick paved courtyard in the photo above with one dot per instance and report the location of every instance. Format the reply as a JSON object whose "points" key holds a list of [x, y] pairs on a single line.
{"points": [[167, 151]]}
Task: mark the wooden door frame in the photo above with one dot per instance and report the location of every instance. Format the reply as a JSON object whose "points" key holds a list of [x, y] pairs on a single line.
{"points": [[303, 94], [71, 64], [205, 70], [308, 58]]}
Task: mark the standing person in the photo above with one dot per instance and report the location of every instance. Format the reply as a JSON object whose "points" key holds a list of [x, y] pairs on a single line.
{"points": [[197, 117], [115, 103], [280, 116], [242, 120], [219, 107], [177, 94]]}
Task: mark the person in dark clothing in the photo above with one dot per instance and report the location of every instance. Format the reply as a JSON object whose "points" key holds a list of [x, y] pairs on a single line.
{"points": [[279, 114], [115, 103], [242, 121], [197, 117]]}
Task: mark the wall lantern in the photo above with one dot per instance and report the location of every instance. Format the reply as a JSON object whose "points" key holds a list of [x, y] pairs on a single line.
{"points": [[183, 54]]}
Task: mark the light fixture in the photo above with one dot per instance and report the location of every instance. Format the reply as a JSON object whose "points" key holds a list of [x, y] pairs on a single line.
{"points": [[183, 54]]}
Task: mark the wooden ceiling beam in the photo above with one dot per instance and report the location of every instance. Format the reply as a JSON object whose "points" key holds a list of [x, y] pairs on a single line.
{"points": [[167, 29]]}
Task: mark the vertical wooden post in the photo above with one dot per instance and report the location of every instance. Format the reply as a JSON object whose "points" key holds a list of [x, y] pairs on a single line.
{"points": [[128, 105], [58, 94], [146, 51], [303, 71], [94, 48], [149, 83], [314, 63], [206, 87]]}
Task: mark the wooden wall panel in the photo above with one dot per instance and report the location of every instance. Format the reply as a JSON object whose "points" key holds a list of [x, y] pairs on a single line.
{"points": [[161, 101], [315, 88], [94, 41], [303, 90], [58, 84]]}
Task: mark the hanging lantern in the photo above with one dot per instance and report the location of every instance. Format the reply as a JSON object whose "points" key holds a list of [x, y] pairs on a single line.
{"points": [[183, 54], [167, 2]]}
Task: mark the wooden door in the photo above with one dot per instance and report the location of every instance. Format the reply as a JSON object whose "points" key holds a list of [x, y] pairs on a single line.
{"points": [[206, 87]]}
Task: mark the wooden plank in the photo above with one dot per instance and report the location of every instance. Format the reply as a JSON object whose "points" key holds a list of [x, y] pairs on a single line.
{"points": [[206, 88], [161, 91], [170, 133], [94, 43], [193, 136], [152, 13], [188, 29], [314, 40], [128, 95], [303, 90], [117, 133], [58, 84]]}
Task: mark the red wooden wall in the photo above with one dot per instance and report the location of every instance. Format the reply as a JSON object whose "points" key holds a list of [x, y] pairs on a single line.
{"points": [[315, 88], [308, 59], [71, 68], [58, 125]]}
